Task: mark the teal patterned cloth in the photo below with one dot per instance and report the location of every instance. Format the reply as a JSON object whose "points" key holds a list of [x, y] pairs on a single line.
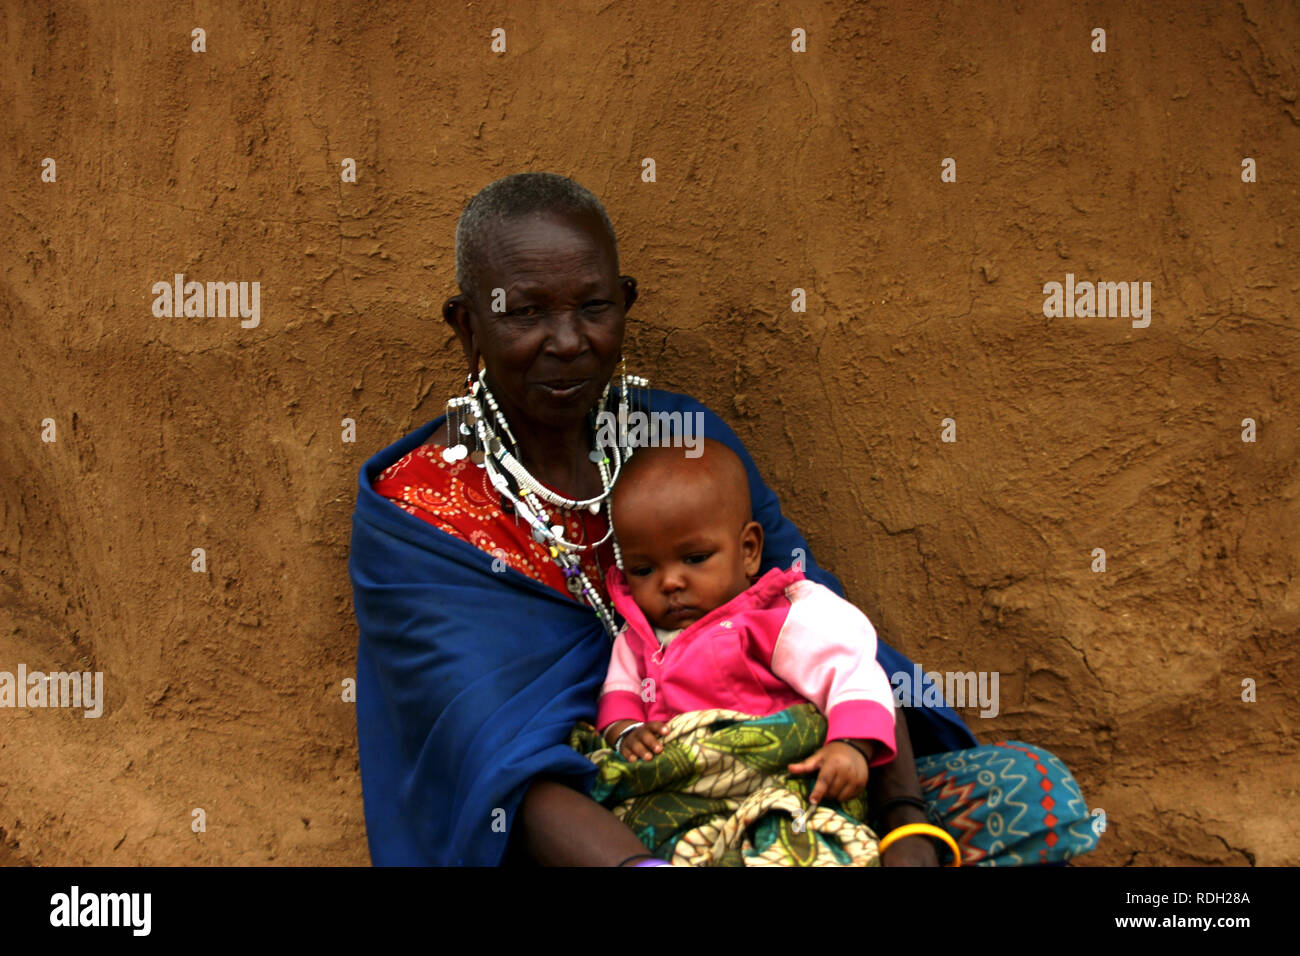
{"points": [[719, 795], [1006, 804]]}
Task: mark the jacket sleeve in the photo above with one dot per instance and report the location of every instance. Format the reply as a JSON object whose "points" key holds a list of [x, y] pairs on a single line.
{"points": [[620, 697], [826, 651]]}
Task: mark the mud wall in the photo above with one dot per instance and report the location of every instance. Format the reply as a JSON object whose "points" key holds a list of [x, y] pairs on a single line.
{"points": [[775, 170]]}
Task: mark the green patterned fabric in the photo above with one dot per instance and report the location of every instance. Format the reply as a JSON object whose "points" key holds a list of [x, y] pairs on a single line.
{"points": [[720, 794]]}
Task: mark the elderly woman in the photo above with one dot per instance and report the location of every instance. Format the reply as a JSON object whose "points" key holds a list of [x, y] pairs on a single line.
{"points": [[480, 546]]}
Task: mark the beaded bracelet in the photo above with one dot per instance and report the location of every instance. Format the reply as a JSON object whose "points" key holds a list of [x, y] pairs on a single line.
{"points": [[618, 741]]}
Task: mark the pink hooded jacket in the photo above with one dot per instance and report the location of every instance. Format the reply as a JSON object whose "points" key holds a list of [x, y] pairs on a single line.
{"points": [[784, 641]]}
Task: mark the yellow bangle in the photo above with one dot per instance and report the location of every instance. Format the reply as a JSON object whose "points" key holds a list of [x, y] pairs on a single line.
{"points": [[913, 829]]}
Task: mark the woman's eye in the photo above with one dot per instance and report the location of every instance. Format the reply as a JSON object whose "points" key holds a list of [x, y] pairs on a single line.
{"points": [[597, 306], [525, 312]]}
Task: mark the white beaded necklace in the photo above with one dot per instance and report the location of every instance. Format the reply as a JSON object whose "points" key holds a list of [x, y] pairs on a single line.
{"points": [[531, 492], [525, 479]]}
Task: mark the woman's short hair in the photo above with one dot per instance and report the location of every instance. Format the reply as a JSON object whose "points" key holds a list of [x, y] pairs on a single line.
{"points": [[512, 197]]}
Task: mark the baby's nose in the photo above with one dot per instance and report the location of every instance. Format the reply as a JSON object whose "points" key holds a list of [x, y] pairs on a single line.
{"points": [[672, 581]]}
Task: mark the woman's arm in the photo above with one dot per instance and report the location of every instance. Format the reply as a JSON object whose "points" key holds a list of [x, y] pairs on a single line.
{"points": [[898, 779], [561, 827]]}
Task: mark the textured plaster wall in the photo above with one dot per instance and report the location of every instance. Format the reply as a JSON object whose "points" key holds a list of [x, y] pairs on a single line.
{"points": [[775, 170]]}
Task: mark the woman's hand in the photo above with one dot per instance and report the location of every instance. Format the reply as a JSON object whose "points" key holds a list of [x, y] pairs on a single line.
{"points": [[842, 775], [898, 779]]}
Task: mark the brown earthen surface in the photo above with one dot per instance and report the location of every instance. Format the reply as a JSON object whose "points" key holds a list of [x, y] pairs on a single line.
{"points": [[775, 170]]}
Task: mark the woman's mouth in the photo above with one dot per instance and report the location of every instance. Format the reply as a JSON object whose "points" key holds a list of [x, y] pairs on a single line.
{"points": [[565, 388]]}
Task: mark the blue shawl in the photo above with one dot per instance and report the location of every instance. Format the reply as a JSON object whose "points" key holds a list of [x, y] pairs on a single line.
{"points": [[469, 680]]}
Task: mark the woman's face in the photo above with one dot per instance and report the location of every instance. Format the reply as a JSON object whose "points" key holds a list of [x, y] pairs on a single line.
{"points": [[549, 354]]}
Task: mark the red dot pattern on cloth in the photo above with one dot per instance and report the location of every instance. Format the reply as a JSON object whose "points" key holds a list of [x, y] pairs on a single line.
{"points": [[1046, 803], [457, 498]]}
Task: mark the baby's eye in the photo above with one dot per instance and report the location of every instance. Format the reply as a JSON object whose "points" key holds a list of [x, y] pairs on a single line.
{"points": [[697, 558], [638, 572]]}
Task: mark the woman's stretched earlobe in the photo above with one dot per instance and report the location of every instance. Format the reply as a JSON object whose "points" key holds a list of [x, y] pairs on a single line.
{"points": [[455, 312], [449, 308]]}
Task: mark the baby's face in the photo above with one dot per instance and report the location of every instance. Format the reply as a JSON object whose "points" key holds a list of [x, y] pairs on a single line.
{"points": [[683, 558]]}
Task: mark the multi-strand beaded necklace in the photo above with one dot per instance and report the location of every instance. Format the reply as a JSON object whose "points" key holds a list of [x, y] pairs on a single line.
{"points": [[467, 425]]}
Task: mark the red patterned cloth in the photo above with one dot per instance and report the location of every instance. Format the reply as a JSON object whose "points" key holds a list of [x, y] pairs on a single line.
{"points": [[459, 499]]}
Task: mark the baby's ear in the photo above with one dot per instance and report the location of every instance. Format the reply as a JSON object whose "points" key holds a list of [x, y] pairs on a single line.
{"points": [[751, 547]]}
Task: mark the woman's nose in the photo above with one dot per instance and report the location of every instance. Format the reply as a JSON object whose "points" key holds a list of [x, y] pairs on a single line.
{"points": [[566, 332]]}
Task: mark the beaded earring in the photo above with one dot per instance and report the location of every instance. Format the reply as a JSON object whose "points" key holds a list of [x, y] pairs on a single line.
{"points": [[633, 399], [640, 389], [462, 416]]}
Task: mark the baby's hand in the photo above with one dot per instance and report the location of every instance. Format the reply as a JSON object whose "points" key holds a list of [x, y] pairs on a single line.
{"points": [[643, 743], [843, 772]]}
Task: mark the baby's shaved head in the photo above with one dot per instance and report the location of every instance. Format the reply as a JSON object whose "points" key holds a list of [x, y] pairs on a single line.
{"points": [[667, 476], [686, 531]]}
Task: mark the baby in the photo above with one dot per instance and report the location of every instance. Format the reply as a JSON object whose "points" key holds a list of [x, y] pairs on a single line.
{"points": [[702, 633]]}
